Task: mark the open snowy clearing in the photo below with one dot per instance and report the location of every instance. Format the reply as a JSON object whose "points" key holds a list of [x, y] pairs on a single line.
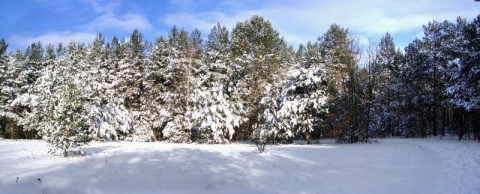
{"points": [[390, 166]]}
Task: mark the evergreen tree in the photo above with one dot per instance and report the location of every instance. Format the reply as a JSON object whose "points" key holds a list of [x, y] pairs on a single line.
{"points": [[68, 127], [22, 74], [130, 72], [59, 108], [340, 51], [465, 76], [214, 115], [5, 91], [156, 85], [135, 94], [437, 36], [33, 62], [110, 121], [462, 89], [178, 128], [383, 91], [296, 105], [4, 96], [128, 82], [177, 68], [255, 53], [416, 93]]}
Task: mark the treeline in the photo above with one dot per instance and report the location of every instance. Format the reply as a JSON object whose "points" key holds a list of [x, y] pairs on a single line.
{"points": [[243, 84]]}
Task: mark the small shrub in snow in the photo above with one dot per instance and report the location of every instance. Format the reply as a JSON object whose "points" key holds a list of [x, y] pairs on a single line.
{"points": [[260, 139], [260, 145]]}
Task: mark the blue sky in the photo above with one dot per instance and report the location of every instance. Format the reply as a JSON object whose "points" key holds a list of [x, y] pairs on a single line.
{"points": [[53, 21]]}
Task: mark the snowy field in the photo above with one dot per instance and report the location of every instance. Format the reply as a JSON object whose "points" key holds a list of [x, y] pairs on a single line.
{"points": [[390, 166]]}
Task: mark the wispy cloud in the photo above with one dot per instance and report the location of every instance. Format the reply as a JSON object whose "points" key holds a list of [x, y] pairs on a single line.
{"points": [[105, 17], [98, 7], [53, 38], [126, 22], [110, 19]]}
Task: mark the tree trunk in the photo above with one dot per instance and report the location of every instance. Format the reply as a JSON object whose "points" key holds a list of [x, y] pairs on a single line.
{"points": [[475, 124], [424, 126], [461, 124], [445, 123], [307, 136]]}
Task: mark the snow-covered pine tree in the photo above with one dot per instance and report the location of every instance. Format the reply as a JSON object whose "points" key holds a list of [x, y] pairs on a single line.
{"points": [[177, 69], [33, 62], [464, 79], [69, 125], [60, 108], [195, 72], [296, 104], [465, 73], [340, 50], [415, 91], [156, 85], [382, 70], [218, 55], [214, 116], [129, 86], [8, 120], [22, 70], [112, 119], [309, 94], [4, 92], [256, 63], [131, 70], [437, 37], [109, 122]]}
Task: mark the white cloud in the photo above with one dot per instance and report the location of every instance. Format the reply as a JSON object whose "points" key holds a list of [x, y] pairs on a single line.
{"points": [[101, 8], [108, 18], [52, 38], [127, 22]]}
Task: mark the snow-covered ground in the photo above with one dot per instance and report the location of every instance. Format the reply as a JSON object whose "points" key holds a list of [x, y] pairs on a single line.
{"points": [[390, 166]]}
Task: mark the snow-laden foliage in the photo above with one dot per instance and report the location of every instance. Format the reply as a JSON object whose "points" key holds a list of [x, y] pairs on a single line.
{"points": [[341, 53], [108, 118], [127, 99], [59, 103], [295, 106], [68, 126], [382, 90], [257, 60], [156, 85], [214, 115], [178, 130], [465, 70], [110, 123], [176, 67], [10, 118]]}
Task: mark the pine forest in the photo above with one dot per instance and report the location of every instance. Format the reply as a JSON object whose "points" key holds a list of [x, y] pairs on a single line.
{"points": [[243, 84]]}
